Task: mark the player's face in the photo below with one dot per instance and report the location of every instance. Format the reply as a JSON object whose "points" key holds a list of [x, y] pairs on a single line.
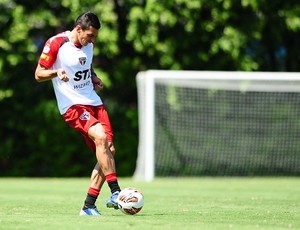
{"points": [[87, 36]]}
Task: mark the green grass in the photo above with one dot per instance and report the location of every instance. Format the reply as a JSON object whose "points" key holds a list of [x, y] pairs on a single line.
{"points": [[170, 204]]}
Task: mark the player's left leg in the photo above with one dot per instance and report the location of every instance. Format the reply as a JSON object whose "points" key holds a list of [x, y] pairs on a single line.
{"points": [[106, 161]]}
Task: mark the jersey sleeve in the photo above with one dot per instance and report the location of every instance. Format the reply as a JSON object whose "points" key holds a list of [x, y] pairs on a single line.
{"points": [[49, 53]]}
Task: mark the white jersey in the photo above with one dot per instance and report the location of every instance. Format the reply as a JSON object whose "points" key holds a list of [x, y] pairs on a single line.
{"points": [[60, 52]]}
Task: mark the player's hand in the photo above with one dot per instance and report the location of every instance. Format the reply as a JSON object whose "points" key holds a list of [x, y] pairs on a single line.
{"points": [[97, 82], [61, 74]]}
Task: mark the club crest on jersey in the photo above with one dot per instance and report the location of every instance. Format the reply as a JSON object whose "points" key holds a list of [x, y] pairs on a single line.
{"points": [[82, 60], [46, 49], [85, 116]]}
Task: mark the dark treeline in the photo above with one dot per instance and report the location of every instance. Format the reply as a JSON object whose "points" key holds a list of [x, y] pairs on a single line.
{"points": [[136, 35]]}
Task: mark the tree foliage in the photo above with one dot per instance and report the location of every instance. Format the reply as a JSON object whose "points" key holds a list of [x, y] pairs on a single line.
{"points": [[246, 35]]}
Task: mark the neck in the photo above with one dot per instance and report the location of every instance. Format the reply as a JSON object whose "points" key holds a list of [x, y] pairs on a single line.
{"points": [[74, 38]]}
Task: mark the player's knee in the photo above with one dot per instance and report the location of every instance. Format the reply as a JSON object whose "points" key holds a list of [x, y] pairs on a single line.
{"points": [[100, 139]]}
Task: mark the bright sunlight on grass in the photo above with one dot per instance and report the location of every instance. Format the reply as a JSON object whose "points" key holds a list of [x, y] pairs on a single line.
{"points": [[170, 203]]}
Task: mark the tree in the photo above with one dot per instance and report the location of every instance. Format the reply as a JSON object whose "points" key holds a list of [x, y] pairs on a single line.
{"points": [[136, 35]]}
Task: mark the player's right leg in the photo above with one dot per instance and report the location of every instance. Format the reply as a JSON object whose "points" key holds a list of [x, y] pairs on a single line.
{"points": [[76, 118], [99, 139], [97, 180]]}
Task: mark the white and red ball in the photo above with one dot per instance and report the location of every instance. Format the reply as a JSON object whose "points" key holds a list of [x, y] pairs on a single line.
{"points": [[130, 201]]}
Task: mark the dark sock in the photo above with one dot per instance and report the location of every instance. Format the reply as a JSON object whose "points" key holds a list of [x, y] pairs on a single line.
{"points": [[91, 198], [89, 201], [112, 181], [114, 186]]}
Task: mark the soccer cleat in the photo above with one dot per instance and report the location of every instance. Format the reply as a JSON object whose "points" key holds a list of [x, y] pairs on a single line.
{"points": [[112, 202], [89, 212]]}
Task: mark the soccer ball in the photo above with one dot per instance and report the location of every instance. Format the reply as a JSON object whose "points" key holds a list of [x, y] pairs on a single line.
{"points": [[130, 201]]}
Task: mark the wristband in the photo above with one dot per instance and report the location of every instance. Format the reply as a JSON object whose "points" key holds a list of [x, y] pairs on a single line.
{"points": [[93, 73]]}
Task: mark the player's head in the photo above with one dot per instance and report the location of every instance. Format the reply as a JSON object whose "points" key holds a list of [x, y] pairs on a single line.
{"points": [[88, 19], [86, 27]]}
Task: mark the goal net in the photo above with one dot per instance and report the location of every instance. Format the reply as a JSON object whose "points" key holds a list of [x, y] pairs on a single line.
{"points": [[205, 123]]}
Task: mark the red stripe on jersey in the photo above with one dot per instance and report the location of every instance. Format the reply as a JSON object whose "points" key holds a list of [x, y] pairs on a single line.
{"points": [[49, 53]]}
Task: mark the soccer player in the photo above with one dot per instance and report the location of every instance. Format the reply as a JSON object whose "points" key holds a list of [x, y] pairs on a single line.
{"points": [[67, 60]]}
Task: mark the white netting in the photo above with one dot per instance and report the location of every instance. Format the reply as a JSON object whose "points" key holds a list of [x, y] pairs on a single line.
{"points": [[226, 127]]}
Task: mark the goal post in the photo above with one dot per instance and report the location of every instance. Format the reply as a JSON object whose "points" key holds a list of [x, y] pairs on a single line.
{"points": [[194, 123], [145, 161]]}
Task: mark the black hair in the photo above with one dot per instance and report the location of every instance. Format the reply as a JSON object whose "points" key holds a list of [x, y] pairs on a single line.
{"points": [[88, 19]]}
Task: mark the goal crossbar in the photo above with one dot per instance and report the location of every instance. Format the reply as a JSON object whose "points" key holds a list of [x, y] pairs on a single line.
{"points": [[209, 80]]}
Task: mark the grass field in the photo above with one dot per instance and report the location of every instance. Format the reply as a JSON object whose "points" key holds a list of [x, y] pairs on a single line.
{"points": [[176, 203]]}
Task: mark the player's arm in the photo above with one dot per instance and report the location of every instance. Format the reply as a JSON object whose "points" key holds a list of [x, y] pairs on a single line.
{"points": [[43, 70], [97, 82], [43, 74]]}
